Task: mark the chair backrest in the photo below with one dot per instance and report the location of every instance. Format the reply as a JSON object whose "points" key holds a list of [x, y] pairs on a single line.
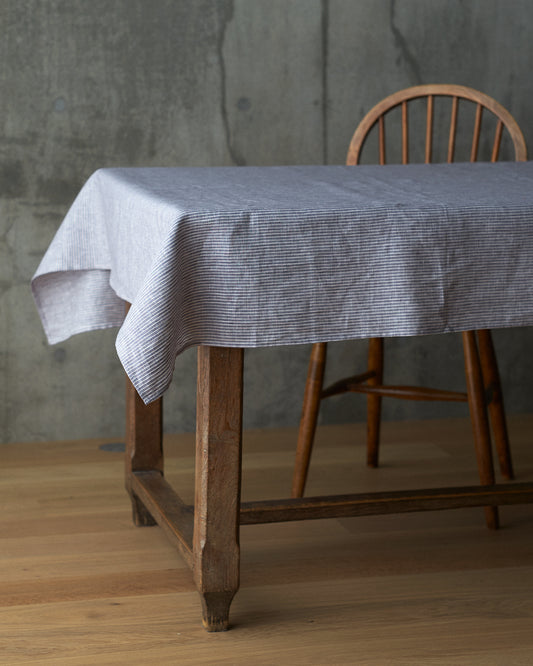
{"points": [[504, 120]]}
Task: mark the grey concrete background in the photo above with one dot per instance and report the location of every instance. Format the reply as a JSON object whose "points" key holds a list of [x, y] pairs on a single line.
{"points": [[93, 83]]}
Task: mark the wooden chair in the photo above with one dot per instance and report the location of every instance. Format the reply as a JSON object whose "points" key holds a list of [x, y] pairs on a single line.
{"points": [[482, 378]]}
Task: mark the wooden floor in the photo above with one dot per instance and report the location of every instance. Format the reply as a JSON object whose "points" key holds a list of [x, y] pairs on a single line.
{"points": [[80, 585]]}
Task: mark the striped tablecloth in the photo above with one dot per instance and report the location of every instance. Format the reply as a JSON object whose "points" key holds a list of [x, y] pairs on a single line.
{"points": [[260, 256]]}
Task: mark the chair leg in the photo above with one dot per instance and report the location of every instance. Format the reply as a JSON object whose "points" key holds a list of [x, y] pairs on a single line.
{"points": [[493, 390], [373, 420], [311, 404], [478, 416]]}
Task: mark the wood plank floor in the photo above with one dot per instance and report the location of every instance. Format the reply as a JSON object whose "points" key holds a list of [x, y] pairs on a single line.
{"points": [[80, 585]]}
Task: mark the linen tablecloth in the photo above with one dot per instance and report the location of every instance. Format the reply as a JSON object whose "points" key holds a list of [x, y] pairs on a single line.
{"points": [[260, 256]]}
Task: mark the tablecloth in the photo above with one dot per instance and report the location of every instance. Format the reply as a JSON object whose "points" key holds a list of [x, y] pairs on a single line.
{"points": [[261, 256]]}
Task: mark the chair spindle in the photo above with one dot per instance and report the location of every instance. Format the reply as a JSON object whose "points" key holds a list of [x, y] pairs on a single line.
{"points": [[382, 157], [405, 134], [497, 142], [453, 129], [429, 130], [477, 131]]}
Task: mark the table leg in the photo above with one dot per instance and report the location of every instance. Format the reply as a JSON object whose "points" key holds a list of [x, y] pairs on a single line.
{"points": [[144, 446], [216, 552], [209, 539]]}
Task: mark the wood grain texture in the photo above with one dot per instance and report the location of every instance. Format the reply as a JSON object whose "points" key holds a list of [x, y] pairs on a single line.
{"points": [[377, 504], [144, 446], [169, 511], [216, 553], [79, 584]]}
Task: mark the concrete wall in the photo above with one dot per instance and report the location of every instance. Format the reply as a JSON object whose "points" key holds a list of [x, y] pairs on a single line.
{"points": [[92, 83]]}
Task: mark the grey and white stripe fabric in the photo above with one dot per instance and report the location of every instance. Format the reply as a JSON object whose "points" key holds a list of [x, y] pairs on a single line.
{"points": [[260, 256]]}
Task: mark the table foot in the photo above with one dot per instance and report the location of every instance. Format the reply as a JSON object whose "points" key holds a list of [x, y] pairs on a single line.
{"points": [[140, 515], [492, 517], [215, 610]]}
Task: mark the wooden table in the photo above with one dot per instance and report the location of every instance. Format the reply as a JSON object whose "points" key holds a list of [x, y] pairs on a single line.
{"points": [[207, 534], [442, 219]]}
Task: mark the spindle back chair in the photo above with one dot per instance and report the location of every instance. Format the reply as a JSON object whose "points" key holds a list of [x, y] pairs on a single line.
{"points": [[483, 387]]}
